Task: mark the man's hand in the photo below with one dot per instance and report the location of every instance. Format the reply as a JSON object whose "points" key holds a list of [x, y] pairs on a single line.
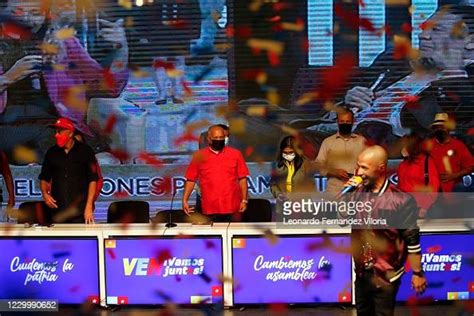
{"points": [[418, 283], [187, 209], [340, 174], [447, 177], [89, 214], [422, 212], [50, 202], [23, 68], [243, 207], [359, 97], [113, 32]]}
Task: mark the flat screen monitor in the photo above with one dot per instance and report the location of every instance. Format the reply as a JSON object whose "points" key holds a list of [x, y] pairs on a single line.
{"points": [[149, 271], [447, 260], [291, 269], [62, 269]]}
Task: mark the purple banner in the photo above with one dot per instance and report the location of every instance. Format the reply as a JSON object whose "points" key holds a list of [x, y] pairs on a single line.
{"points": [[449, 268], [57, 269], [163, 270], [291, 270]]}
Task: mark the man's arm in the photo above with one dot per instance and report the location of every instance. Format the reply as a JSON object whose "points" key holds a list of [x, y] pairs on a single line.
{"points": [[89, 210], [47, 198], [408, 213], [8, 178], [188, 189], [244, 189]]}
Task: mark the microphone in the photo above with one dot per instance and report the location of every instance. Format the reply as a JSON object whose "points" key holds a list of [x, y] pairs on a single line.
{"points": [[350, 187], [170, 223]]}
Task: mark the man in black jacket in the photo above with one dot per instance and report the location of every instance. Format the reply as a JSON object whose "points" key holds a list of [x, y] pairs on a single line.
{"points": [[380, 250]]}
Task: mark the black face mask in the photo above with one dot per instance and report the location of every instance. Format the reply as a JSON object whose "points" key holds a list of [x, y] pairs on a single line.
{"points": [[345, 129], [441, 135], [218, 145]]}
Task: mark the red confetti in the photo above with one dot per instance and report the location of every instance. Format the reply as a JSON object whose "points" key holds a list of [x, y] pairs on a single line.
{"points": [[186, 138], [361, 3], [187, 89], [163, 256], [335, 78], [111, 253], [150, 160], [280, 6], [434, 249], [273, 58], [109, 79], [110, 124], [230, 31], [218, 83], [276, 18], [15, 31], [243, 31], [158, 63], [406, 27], [354, 21], [248, 151], [412, 101], [470, 131]]}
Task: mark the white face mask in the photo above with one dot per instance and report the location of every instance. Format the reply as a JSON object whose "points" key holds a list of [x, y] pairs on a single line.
{"points": [[226, 141], [289, 157]]}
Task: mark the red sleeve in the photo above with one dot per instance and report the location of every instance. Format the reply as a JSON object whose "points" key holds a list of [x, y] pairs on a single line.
{"points": [[242, 169], [192, 173], [464, 156]]}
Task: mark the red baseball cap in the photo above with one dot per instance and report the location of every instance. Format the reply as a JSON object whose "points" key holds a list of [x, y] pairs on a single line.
{"points": [[64, 123]]}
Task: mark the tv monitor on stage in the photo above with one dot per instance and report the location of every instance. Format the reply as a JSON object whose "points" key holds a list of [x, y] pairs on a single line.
{"points": [[291, 269], [448, 263], [149, 271], [63, 269]]}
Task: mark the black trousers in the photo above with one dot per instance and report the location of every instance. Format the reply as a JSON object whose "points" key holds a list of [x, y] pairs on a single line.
{"points": [[374, 297]]}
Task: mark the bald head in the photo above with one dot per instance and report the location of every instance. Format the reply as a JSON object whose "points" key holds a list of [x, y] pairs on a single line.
{"points": [[375, 154], [216, 137], [372, 165]]}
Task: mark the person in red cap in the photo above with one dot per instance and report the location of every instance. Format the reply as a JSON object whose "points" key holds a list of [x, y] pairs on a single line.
{"points": [[68, 177]]}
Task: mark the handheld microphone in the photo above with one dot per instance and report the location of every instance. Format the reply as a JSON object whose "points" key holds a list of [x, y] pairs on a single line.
{"points": [[170, 223], [351, 187]]}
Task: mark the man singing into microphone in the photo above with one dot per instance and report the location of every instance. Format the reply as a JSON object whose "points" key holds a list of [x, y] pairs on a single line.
{"points": [[222, 173], [380, 251]]}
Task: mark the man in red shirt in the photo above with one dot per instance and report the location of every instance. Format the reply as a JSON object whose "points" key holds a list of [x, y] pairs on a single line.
{"points": [[222, 174], [452, 158]]}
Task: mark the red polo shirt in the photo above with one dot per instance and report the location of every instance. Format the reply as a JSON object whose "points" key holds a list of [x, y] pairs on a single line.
{"points": [[219, 174], [454, 155]]}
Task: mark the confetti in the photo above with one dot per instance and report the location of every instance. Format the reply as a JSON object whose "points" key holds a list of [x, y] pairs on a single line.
{"points": [[15, 31], [110, 123], [49, 49], [354, 21], [185, 138], [269, 45], [150, 160], [64, 34], [237, 126], [299, 26]]}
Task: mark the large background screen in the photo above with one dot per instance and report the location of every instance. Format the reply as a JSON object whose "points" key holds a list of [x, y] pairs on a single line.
{"points": [[160, 271], [57, 269], [289, 269], [448, 264]]}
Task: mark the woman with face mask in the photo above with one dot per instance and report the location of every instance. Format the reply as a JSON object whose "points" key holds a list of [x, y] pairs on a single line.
{"points": [[417, 173], [292, 173]]}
